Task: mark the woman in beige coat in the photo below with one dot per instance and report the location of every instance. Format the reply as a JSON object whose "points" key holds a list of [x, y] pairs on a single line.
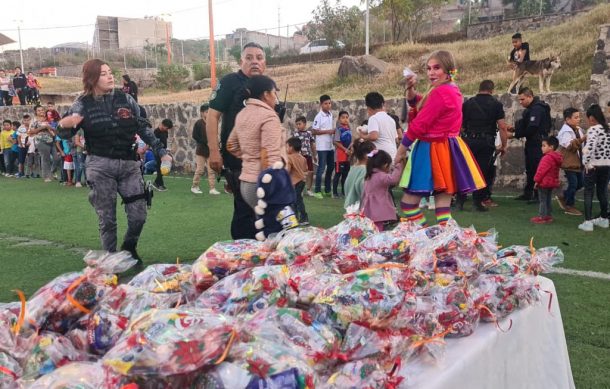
{"points": [[258, 137]]}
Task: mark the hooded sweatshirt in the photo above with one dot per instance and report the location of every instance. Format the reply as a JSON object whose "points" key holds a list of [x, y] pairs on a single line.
{"points": [[547, 175]]}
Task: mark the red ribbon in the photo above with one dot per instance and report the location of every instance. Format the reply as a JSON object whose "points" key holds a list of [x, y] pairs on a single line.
{"points": [[8, 372]]}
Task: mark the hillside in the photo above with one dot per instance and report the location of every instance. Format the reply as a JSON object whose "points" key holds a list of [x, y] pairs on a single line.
{"points": [[477, 60]]}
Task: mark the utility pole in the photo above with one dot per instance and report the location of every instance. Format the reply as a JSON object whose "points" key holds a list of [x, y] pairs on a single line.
{"points": [[278, 30], [168, 46], [182, 49], [212, 51], [366, 44], [20, 49]]}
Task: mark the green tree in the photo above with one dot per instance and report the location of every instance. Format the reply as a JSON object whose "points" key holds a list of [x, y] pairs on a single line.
{"points": [[407, 17], [335, 23], [172, 77]]}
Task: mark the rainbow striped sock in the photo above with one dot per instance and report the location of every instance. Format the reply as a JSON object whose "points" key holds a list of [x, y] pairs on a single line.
{"points": [[413, 213], [443, 214]]}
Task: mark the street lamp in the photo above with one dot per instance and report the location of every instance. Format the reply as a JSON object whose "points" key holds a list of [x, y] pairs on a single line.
{"points": [[20, 48]]}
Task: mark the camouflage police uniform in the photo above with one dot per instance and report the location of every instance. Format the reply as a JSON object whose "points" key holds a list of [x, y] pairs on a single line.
{"points": [[110, 124]]}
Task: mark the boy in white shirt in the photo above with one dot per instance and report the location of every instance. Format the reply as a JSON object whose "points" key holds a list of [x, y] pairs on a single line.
{"points": [[381, 128], [324, 131]]}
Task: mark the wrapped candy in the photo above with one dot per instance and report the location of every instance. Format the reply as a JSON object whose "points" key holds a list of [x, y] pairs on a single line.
{"points": [[363, 373], [391, 246], [10, 371], [110, 263], [171, 341], [362, 342], [351, 231], [497, 296], [50, 352], [16, 339], [48, 298], [225, 258], [76, 375], [248, 291], [115, 312], [307, 286], [166, 278], [293, 328], [370, 296], [298, 245], [456, 309], [270, 363]]}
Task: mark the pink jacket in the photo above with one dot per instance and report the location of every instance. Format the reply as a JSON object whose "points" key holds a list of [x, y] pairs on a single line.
{"points": [[257, 138], [377, 202], [547, 174], [440, 117]]}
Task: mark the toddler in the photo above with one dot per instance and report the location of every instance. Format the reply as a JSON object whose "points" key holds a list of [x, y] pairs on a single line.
{"points": [[297, 168], [547, 179], [354, 183]]}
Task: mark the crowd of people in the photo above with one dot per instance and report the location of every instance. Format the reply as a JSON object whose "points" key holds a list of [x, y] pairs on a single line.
{"points": [[447, 150], [16, 85]]}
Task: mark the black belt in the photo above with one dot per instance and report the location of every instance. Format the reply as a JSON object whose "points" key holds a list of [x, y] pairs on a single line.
{"points": [[477, 135]]}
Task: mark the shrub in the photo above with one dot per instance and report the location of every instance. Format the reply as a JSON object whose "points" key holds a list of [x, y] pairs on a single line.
{"points": [[172, 77], [203, 70]]}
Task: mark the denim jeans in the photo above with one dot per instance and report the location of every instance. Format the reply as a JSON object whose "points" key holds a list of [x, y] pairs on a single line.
{"points": [[299, 205], [597, 179], [9, 161], [326, 161], [575, 182], [545, 198], [79, 167]]}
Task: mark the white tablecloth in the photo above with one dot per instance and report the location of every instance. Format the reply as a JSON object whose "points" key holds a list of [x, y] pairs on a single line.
{"points": [[533, 354]]}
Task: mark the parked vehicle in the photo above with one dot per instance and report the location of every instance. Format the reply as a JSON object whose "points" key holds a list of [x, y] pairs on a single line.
{"points": [[319, 45]]}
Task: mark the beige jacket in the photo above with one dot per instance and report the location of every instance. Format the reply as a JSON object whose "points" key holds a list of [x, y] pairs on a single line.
{"points": [[257, 138]]}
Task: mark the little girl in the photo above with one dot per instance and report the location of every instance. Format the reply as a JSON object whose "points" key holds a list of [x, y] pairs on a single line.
{"points": [[380, 176], [355, 178], [596, 160]]}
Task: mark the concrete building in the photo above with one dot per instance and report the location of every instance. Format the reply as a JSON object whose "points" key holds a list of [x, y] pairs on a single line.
{"points": [[277, 44], [113, 33]]}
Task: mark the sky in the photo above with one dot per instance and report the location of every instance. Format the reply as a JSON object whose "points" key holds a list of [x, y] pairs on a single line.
{"points": [[45, 24]]}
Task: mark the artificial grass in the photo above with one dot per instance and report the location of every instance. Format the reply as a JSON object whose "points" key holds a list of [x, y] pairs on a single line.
{"points": [[183, 225]]}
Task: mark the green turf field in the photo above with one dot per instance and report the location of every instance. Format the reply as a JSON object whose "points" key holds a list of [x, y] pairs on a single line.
{"points": [[46, 228]]}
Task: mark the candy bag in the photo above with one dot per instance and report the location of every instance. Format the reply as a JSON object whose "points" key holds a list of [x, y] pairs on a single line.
{"points": [[248, 291], [225, 258], [370, 296], [10, 371], [166, 278], [50, 352], [456, 309], [75, 375], [362, 373], [298, 245], [390, 245], [171, 341], [110, 263], [351, 231]]}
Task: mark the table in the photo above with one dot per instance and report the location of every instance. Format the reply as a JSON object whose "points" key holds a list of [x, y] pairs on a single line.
{"points": [[532, 355]]}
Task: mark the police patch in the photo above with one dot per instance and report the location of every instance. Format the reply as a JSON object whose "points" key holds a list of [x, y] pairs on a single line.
{"points": [[213, 95], [532, 118]]}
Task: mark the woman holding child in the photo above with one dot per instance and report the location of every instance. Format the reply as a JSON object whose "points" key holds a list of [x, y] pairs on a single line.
{"points": [[440, 163]]}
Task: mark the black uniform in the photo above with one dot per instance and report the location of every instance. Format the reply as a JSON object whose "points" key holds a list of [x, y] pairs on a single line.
{"points": [[110, 124], [228, 98], [162, 136], [534, 125], [19, 83], [480, 116]]}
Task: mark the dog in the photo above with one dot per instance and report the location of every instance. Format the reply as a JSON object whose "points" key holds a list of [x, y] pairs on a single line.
{"points": [[543, 68]]}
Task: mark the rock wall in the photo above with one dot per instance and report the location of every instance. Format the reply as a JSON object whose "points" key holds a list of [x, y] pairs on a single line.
{"points": [[600, 73], [498, 27]]}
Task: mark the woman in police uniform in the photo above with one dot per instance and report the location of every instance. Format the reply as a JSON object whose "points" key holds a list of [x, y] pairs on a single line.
{"points": [[111, 119]]}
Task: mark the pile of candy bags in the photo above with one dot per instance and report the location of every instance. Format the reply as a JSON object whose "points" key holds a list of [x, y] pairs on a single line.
{"points": [[308, 308]]}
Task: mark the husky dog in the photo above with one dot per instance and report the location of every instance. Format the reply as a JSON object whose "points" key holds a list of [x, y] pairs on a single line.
{"points": [[543, 68]]}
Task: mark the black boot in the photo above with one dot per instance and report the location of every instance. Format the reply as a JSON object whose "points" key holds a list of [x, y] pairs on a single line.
{"points": [[460, 199], [480, 207], [131, 247]]}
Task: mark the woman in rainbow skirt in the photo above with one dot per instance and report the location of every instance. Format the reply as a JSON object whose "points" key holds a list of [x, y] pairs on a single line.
{"points": [[440, 163]]}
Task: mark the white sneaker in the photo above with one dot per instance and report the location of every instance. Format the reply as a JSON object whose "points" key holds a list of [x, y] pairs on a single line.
{"points": [[78, 185], [214, 192], [196, 190], [587, 226], [310, 193], [600, 222]]}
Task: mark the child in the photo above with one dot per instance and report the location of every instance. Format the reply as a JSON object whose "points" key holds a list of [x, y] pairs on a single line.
{"points": [[343, 145], [65, 150], [354, 182], [6, 144], [79, 158], [380, 176], [308, 149], [202, 154], [32, 164], [21, 138], [297, 168], [547, 179], [440, 162], [324, 130], [596, 160], [571, 138]]}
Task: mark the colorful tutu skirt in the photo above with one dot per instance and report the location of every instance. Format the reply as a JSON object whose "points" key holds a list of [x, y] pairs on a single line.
{"points": [[446, 166]]}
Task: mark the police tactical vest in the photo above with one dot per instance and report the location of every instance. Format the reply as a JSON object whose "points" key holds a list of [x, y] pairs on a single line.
{"points": [[479, 122], [110, 134]]}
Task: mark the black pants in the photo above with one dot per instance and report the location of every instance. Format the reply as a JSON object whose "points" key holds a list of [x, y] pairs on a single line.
{"points": [[242, 224], [597, 179], [299, 205], [341, 172], [533, 155], [21, 95], [483, 151], [159, 179], [6, 98]]}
